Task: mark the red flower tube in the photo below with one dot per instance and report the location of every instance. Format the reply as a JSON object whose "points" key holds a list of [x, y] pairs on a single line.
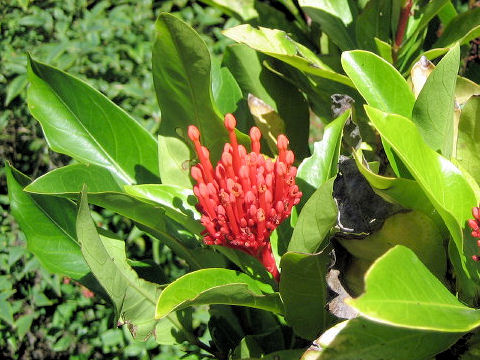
{"points": [[246, 196], [475, 226]]}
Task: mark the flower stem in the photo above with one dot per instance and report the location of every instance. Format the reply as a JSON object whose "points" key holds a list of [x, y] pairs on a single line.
{"points": [[268, 261], [402, 26]]}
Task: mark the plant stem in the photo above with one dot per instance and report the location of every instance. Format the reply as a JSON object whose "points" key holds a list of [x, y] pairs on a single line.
{"points": [[402, 26]]}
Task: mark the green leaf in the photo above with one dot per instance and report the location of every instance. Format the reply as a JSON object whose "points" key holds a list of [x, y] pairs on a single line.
{"points": [[217, 286], [431, 54], [15, 87], [462, 29], [80, 122], [421, 19], [134, 298], [49, 225], [70, 179], [465, 89], [246, 66], [248, 264], [242, 9], [338, 8], [178, 203], [6, 311], [226, 92], [373, 23], [381, 85], [413, 230], [23, 324], [333, 16], [405, 192], [447, 14], [316, 219], [181, 75], [145, 204], [468, 143], [415, 299], [278, 44], [367, 340], [442, 182], [433, 110], [303, 288], [323, 164], [384, 50], [151, 215]]}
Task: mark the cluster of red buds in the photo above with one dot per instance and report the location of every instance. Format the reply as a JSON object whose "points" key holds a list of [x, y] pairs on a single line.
{"points": [[475, 226], [246, 196]]}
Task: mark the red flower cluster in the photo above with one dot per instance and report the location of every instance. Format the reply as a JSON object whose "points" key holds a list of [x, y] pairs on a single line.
{"points": [[475, 226], [246, 196]]}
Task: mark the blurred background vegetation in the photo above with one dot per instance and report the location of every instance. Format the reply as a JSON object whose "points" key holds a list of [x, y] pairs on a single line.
{"points": [[44, 316]]}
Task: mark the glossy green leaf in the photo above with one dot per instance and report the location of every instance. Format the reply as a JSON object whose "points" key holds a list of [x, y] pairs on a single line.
{"points": [[333, 16], [372, 23], [246, 66], [367, 340], [217, 286], [178, 203], [150, 215], [49, 225], [275, 17], [442, 182], [146, 204], [433, 110], [447, 14], [81, 122], [416, 299], [316, 219], [431, 54], [303, 288], [243, 9], [70, 179], [279, 45], [468, 142], [317, 90], [247, 263], [338, 8], [414, 230], [384, 49], [181, 75], [134, 298], [465, 89], [421, 19], [226, 92], [381, 85], [168, 164], [462, 29], [197, 257], [404, 192], [323, 164], [166, 334]]}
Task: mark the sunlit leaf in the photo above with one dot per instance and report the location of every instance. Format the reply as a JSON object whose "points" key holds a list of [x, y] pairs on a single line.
{"points": [[217, 286], [415, 299]]}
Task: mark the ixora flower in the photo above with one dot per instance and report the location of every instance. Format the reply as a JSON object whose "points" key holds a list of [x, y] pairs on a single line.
{"points": [[475, 226], [246, 196]]}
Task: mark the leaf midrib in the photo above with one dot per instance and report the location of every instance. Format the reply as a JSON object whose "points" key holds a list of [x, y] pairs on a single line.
{"points": [[106, 154]]}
